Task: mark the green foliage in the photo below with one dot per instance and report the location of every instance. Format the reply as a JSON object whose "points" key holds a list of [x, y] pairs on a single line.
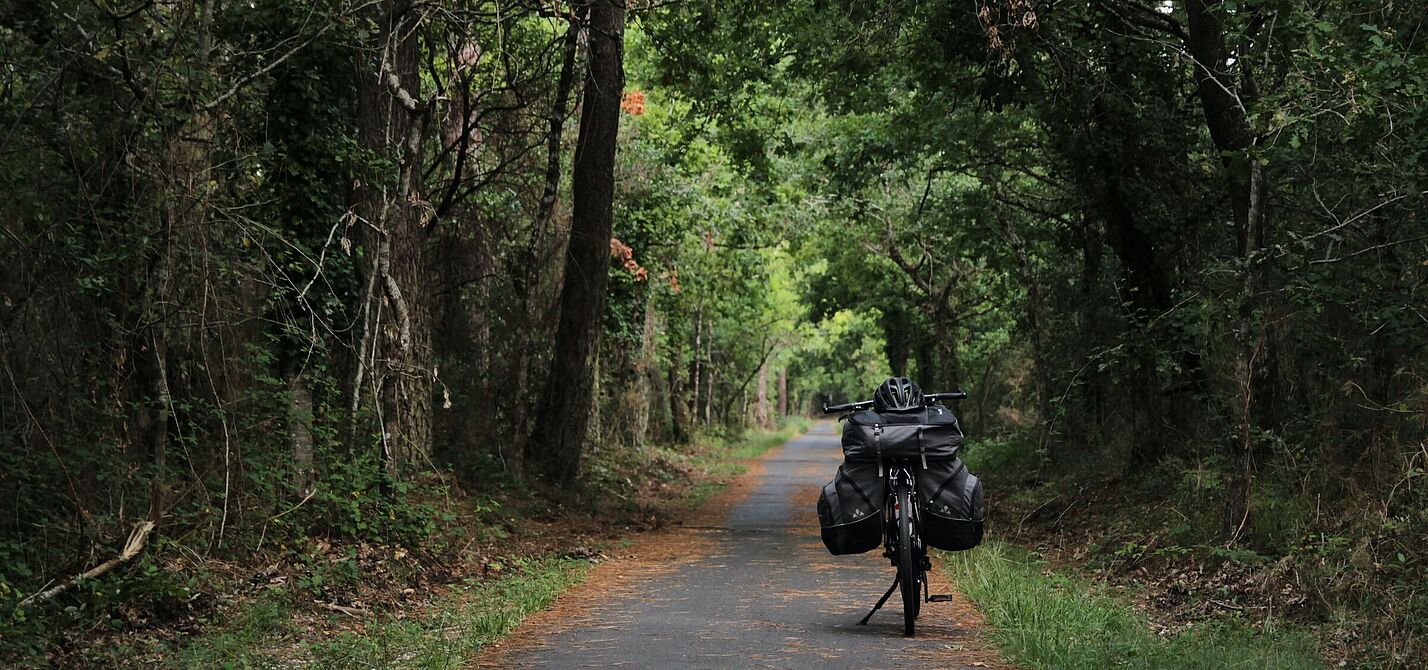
{"points": [[1001, 456]]}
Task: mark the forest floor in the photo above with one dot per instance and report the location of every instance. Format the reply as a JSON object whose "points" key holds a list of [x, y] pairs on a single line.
{"points": [[497, 559]]}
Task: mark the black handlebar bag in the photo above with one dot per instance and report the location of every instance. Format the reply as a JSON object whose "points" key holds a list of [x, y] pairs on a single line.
{"points": [[850, 509]]}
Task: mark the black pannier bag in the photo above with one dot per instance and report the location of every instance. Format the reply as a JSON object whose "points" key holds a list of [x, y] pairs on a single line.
{"points": [[931, 433], [953, 509], [850, 509]]}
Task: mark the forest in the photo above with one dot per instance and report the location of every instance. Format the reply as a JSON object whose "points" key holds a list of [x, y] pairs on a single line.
{"points": [[282, 274]]}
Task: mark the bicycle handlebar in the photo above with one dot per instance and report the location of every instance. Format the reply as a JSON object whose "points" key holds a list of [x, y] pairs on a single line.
{"points": [[950, 395], [846, 407], [928, 398]]}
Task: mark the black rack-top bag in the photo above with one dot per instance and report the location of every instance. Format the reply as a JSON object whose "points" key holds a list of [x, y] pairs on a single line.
{"points": [[850, 509], [931, 433]]}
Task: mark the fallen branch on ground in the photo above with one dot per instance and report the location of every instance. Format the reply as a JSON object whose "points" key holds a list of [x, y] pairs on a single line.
{"points": [[354, 612], [132, 547]]}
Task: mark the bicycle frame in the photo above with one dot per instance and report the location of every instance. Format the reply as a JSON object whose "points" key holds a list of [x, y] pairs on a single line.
{"points": [[901, 474], [897, 474]]}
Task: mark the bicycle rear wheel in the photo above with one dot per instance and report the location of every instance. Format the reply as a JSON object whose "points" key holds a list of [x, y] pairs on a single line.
{"points": [[908, 567]]}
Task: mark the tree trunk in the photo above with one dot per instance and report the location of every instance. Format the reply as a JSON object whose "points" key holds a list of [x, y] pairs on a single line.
{"points": [[646, 375], [1225, 100], [782, 392], [1093, 392], [923, 353], [530, 326], [300, 432], [897, 331], [559, 437], [1149, 294], [743, 408], [678, 407], [154, 416], [709, 398], [391, 117], [462, 265], [697, 363], [761, 408], [948, 375], [178, 277], [595, 426], [1041, 368]]}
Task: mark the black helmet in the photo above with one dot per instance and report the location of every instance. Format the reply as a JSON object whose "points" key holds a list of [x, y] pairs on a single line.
{"points": [[897, 394]]}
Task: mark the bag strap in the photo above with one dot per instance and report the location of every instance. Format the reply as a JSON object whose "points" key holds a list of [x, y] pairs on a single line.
{"points": [[858, 489], [960, 467], [878, 446], [922, 450]]}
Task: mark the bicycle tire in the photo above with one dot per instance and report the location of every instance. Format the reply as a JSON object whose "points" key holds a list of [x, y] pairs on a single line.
{"points": [[907, 563]]}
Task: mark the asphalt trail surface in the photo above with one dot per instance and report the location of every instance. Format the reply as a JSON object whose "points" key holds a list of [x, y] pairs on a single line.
{"points": [[755, 590]]}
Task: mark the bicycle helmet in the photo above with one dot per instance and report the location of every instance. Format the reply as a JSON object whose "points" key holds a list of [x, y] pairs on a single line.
{"points": [[897, 394]]}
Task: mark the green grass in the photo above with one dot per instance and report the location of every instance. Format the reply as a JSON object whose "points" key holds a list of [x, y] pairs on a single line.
{"points": [[473, 619], [261, 635], [724, 458], [242, 638], [1043, 620], [757, 444]]}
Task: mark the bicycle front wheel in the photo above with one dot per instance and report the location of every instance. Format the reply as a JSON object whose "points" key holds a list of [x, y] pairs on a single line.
{"points": [[908, 567]]}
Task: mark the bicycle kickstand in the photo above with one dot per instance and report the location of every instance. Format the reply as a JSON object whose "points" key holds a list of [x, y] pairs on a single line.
{"points": [[896, 580]]}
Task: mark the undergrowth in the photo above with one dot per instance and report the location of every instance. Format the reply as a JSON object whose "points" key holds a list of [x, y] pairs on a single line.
{"points": [[664, 480], [250, 616], [725, 457], [1331, 552], [472, 616]]}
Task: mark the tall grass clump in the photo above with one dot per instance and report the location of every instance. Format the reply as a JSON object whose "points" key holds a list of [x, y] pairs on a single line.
{"points": [[1041, 619]]}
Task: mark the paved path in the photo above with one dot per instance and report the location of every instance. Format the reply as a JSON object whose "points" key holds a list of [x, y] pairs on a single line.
{"points": [[755, 590]]}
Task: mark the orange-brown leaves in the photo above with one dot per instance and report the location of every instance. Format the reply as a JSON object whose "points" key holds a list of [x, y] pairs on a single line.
{"points": [[1002, 19], [673, 278], [633, 103], [626, 255]]}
